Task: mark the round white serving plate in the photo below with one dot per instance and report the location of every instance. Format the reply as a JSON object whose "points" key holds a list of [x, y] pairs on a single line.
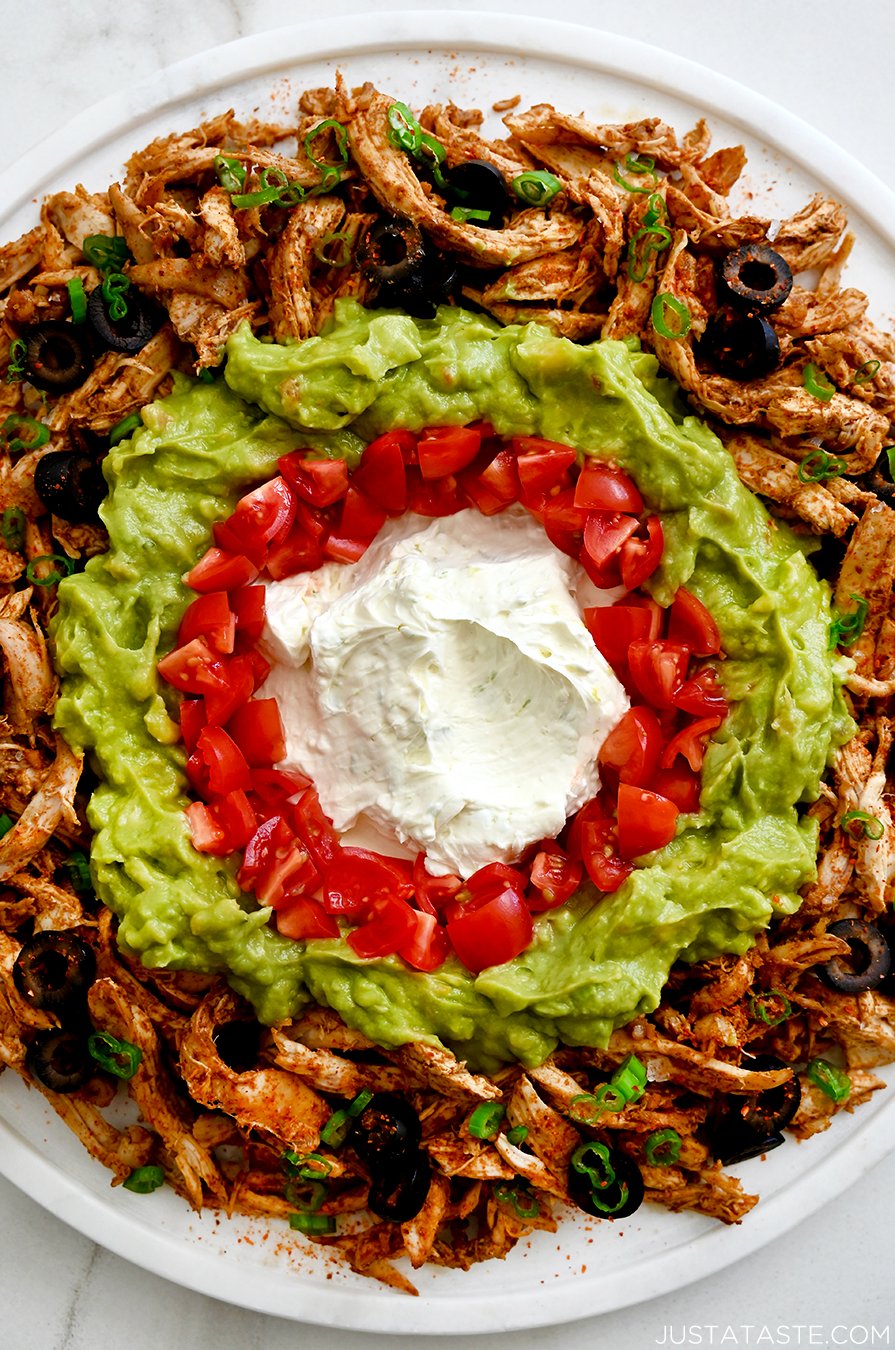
{"points": [[474, 59]]}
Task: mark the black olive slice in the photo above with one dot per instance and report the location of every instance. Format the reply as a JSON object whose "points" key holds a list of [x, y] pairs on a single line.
{"points": [[60, 1060], [54, 970], [604, 1182], [740, 1148], [741, 346], [477, 185], [399, 1192], [386, 1131], [70, 484], [129, 334], [392, 251], [757, 276], [870, 962], [239, 1045], [57, 356], [745, 1124]]}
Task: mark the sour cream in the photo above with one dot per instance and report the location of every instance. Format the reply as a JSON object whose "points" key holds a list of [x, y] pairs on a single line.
{"points": [[444, 687]]}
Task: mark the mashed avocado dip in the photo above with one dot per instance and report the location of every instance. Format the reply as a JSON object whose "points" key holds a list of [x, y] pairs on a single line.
{"points": [[595, 962]]}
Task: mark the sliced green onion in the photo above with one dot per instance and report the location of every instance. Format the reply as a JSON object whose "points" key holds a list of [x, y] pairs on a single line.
{"points": [[600, 1177], [307, 1196], [341, 132], [656, 210], [834, 1082], [335, 1131], [847, 628], [18, 350], [6, 824], [771, 1007], [517, 1135], [64, 569], [342, 255], [308, 1166], [860, 824], [661, 306], [522, 1201], [106, 252], [663, 1148], [329, 181], [432, 150], [79, 872], [889, 451], [115, 287], [817, 383], [14, 429], [13, 528], [231, 173], [864, 374], [536, 187], [817, 466], [630, 1076], [144, 1180], [462, 214], [125, 428], [634, 164], [655, 238], [361, 1101], [317, 1224], [404, 129], [485, 1121], [588, 1106], [246, 200], [77, 300], [117, 1057]]}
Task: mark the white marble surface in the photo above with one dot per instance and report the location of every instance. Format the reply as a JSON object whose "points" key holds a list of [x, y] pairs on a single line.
{"points": [[830, 1280]]}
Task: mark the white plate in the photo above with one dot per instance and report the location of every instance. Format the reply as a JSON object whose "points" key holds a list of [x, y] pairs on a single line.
{"points": [[585, 1268]]}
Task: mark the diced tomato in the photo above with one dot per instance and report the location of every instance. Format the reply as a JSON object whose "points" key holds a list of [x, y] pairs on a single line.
{"points": [[220, 570], [599, 853], [446, 450], [275, 788], [303, 918], [543, 468], [260, 667], [197, 773], [237, 818], [315, 524], [600, 487], [680, 785], [192, 719], [228, 536], [391, 924], [433, 893], [702, 695], [429, 946], [248, 605], [658, 669], [493, 488], [633, 746], [339, 548], [493, 933], [315, 830], [554, 877], [382, 474], [691, 623], [211, 617], [225, 762], [264, 514], [356, 878], [233, 687], [273, 834], [361, 518], [646, 821], [193, 669], [564, 522], [614, 627], [205, 830], [605, 535], [493, 878], [276, 865], [641, 557], [320, 482], [257, 728], [434, 499], [590, 812], [298, 552], [690, 742]]}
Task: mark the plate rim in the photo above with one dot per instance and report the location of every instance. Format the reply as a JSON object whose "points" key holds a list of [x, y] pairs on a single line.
{"points": [[202, 76]]}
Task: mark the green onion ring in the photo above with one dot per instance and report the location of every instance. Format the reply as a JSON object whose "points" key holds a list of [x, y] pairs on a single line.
{"points": [[405, 130], [115, 286], [536, 187], [144, 1180], [335, 1130], [760, 1007], [330, 124], [117, 1057], [343, 255], [866, 825], [656, 209], [634, 164], [13, 528], [18, 350], [106, 252], [231, 173], [125, 428], [360, 1103], [663, 1148], [663, 303], [79, 872], [15, 424], [318, 1224], [817, 383], [64, 569], [77, 299], [817, 466], [847, 628], [517, 1197], [864, 374], [656, 238], [485, 1121], [462, 214], [308, 1197], [6, 824], [830, 1080], [517, 1135]]}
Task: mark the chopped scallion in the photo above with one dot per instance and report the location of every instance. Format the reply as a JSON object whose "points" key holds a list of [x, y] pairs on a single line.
{"points": [[144, 1180], [13, 528], [817, 466], [663, 1148], [20, 432], [115, 287], [306, 1196], [771, 1007], [861, 825], [336, 1129], [847, 628], [18, 350], [317, 1224], [126, 427], [6, 824], [648, 240], [79, 871], [340, 256], [864, 374], [517, 1135], [64, 568], [536, 187], [77, 299], [117, 1057], [361, 1101], [656, 210], [231, 173], [521, 1200], [485, 1121], [341, 135], [816, 382], [106, 252], [832, 1081], [462, 214], [633, 163], [665, 304]]}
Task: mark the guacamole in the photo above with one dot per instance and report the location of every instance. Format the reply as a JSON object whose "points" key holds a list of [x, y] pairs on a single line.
{"points": [[595, 962]]}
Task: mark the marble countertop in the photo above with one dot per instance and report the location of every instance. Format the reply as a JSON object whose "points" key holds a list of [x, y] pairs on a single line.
{"points": [[829, 1280]]}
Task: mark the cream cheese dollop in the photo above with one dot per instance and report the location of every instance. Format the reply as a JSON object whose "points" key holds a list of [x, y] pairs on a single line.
{"points": [[444, 687]]}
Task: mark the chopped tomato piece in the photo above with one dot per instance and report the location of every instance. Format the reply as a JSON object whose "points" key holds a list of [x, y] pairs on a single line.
{"points": [[211, 617], [382, 474], [646, 821], [600, 487], [641, 557], [224, 761], [599, 853], [434, 499], [543, 468], [614, 627], [192, 669], [433, 893], [259, 665], [320, 482], [235, 814], [192, 719], [248, 605], [702, 695], [690, 742], [429, 945], [361, 518], [257, 728], [605, 535], [391, 924], [356, 878], [197, 773], [275, 788], [493, 878], [340, 549], [220, 570], [446, 450], [554, 876], [315, 830], [264, 514], [658, 669], [493, 933], [691, 623], [232, 688], [316, 524], [275, 864], [633, 746], [303, 918], [206, 831], [590, 812], [564, 522], [494, 487], [298, 552], [680, 785]]}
